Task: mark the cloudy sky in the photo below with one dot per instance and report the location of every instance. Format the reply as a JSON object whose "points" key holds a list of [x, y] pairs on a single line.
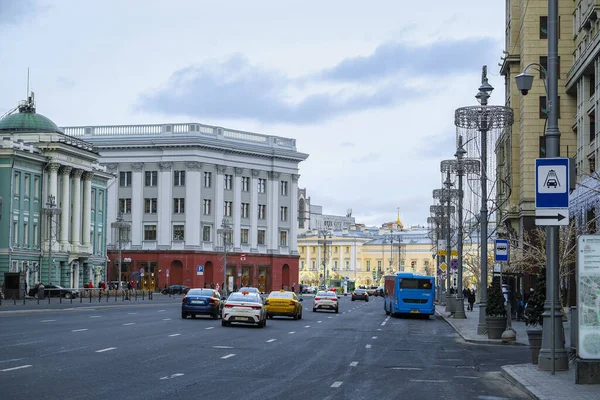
{"points": [[368, 89]]}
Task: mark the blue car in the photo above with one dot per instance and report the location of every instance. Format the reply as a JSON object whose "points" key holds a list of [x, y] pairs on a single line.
{"points": [[201, 302]]}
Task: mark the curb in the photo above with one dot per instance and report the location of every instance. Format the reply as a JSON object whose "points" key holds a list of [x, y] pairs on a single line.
{"points": [[478, 341], [508, 376]]}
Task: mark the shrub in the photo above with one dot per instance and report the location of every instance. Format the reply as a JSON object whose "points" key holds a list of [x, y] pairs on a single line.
{"points": [[495, 301], [535, 305]]}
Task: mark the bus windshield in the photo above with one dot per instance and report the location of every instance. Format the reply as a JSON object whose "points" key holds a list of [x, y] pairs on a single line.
{"points": [[415, 283]]}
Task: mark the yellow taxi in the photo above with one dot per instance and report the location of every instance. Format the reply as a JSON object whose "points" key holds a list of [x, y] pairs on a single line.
{"points": [[283, 303]]}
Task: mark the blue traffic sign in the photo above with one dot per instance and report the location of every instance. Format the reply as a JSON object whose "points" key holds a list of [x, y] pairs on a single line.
{"points": [[501, 250], [200, 270], [552, 182]]}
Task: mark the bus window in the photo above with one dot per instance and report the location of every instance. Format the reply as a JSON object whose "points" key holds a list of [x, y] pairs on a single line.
{"points": [[412, 283]]}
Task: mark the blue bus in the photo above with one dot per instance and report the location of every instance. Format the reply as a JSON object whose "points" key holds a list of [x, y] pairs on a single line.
{"points": [[408, 293]]}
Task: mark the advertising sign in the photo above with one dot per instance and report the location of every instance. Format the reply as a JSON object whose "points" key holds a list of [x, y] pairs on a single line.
{"points": [[588, 301]]}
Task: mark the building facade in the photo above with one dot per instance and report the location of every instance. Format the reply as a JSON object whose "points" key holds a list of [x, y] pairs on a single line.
{"points": [[310, 216], [194, 193], [53, 218]]}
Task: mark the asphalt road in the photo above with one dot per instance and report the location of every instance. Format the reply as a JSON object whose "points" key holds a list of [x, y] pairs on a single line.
{"points": [[146, 351]]}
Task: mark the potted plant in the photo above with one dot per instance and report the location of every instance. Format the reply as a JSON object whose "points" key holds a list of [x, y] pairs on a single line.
{"points": [[495, 310], [533, 315]]}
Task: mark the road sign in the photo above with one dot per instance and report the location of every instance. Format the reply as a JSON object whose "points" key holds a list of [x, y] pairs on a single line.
{"points": [[167, 272], [501, 250], [442, 252], [243, 257], [200, 270], [443, 266], [552, 216], [454, 263], [552, 182]]}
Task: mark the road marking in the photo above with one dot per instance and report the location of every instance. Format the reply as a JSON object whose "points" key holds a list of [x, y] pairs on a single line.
{"points": [[349, 310], [336, 384], [161, 310], [291, 333], [107, 349], [95, 316], [131, 313], [378, 329], [49, 320], [129, 323], [271, 340], [450, 359], [78, 330], [172, 376], [368, 346], [354, 363], [210, 327], [408, 368], [15, 368], [374, 337], [227, 356], [429, 380], [465, 377], [166, 319], [307, 326], [318, 322], [175, 334], [222, 347], [328, 317]]}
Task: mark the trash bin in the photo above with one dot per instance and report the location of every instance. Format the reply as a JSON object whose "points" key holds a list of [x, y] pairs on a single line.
{"points": [[40, 291]]}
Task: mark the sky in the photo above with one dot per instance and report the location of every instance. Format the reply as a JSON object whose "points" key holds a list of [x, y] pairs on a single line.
{"points": [[367, 89]]}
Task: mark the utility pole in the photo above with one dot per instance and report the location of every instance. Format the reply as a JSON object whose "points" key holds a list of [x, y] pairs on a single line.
{"points": [[51, 209], [122, 227], [225, 230]]}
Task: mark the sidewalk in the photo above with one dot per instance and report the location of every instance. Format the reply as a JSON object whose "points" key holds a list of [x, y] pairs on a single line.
{"points": [[538, 384]]}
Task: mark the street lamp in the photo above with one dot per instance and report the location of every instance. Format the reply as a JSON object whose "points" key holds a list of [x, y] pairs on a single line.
{"points": [[51, 210], [325, 233], [438, 218], [552, 353], [225, 230], [122, 227]]}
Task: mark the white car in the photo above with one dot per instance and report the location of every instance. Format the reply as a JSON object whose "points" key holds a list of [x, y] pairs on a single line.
{"points": [[244, 307], [326, 301]]}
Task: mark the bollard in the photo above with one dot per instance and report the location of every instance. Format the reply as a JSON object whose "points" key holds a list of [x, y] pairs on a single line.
{"points": [[116, 295], [90, 296], [81, 298], [23, 300], [135, 295], [107, 295], [123, 296], [71, 299], [151, 295], [60, 299], [143, 292], [48, 298], [15, 300], [99, 296], [38, 299]]}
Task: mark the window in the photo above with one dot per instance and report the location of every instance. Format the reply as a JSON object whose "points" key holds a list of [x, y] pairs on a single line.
{"points": [[25, 235], [26, 188], [125, 206], [335, 265], [544, 63], [368, 266], [245, 183], [284, 188], [151, 178], [347, 265], [542, 147], [283, 213], [35, 235], [227, 208], [313, 249], [378, 266], [261, 236], [100, 201], [17, 184], [245, 207], [149, 232], [207, 179], [314, 265], [283, 238], [347, 249], [125, 179], [15, 232], [178, 232], [207, 207], [592, 164], [544, 109], [228, 182], [206, 233], [245, 233], [262, 211], [178, 178], [150, 205], [179, 206], [543, 27], [592, 132], [36, 188], [302, 265], [262, 185]]}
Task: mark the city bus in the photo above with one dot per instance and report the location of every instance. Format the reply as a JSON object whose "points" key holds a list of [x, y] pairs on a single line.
{"points": [[408, 293]]}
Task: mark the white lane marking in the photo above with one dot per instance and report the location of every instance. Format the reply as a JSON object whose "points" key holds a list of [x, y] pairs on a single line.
{"points": [[161, 310], [465, 377], [307, 326], [450, 359], [291, 333], [129, 323], [374, 337], [429, 380], [227, 356], [10, 360], [354, 363], [367, 346], [175, 334], [408, 368], [385, 321], [78, 330], [336, 384], [210, 327], [318, 322], [349, 310], [15, 368], [107, 349], [49, 320], [95, 316], [172, 376], [328, 317], [378, 329], [222, 347], [271, 340], [166, 319]]}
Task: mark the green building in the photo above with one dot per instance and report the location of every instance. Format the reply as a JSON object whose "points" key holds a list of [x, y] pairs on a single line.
{"points": [[52, 202]]}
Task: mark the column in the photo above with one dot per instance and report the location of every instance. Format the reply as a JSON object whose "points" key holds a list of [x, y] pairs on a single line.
{"points": [[53, 187], [137, 205], [294, 215], [193, 203], [65, 207], [254, 210], [219, 195], [87, 210], [165, 203], [237, 209], [273, 211], [112, 204], [76, 220]]}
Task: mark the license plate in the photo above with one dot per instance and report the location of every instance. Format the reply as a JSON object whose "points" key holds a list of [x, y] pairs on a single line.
{"points": [[201, 302], [414, 311]]}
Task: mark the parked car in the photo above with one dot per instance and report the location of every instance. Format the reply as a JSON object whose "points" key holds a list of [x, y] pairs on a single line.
{"points": [[55, 291], [201, 302], [176, 289]]}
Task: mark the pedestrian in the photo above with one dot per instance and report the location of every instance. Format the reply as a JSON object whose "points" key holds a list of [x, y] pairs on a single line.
{"points": [[103, 285], [520, 307], [471, 298], [129, 287]]}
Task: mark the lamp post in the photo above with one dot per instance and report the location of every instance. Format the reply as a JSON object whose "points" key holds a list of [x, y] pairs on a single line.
{"points": [[51, 210], [552, 353], [483, 118], [446, 195], [439, 218], [325, 234], [225, 230], [122, 228]]}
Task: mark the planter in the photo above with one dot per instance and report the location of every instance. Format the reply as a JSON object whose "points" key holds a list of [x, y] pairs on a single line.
{"points": [[495, 326], [535, 343]]}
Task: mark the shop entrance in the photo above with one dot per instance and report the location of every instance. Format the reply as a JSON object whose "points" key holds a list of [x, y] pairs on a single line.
{"points": [[263, 281]]}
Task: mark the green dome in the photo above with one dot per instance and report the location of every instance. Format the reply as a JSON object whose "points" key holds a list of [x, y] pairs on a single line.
{"points": [[27, 121]]}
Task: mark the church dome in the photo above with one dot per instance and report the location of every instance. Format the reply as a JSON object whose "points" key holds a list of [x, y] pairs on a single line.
{"points": [[27, 120]]}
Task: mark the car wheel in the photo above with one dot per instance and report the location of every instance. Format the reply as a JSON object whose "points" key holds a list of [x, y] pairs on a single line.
{"points": [[193, 315], [336, 310], [300, 316], [295, 316], [224, 323], [215, 316], [367, 300], [353, 299], [183, 315], [68, 295], [269, 316], [314, 310], [265, 323]]}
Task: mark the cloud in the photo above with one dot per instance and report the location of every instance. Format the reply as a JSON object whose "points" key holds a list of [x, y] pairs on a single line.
{"points": [[367, 158], [14, 11]]}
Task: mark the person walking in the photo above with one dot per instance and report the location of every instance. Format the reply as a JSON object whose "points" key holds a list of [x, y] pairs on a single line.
{"points": [[471, 298]]}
